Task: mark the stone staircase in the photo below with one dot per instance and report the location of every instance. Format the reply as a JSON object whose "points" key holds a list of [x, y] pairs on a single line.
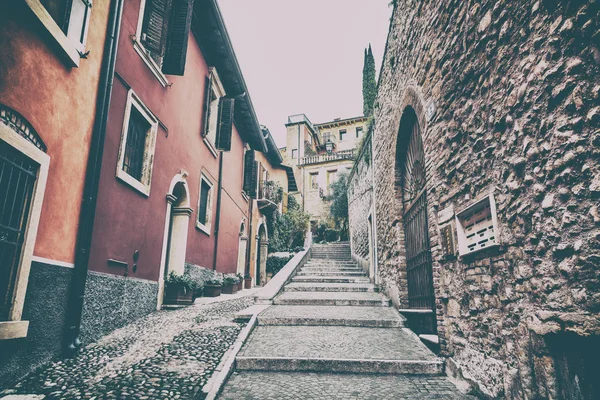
{"points": [[331, 319]]}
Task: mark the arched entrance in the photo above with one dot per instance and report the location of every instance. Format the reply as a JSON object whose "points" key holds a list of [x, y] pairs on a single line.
{"points": [[262, 252], [242, 246], [177, 221], [410, 166]]}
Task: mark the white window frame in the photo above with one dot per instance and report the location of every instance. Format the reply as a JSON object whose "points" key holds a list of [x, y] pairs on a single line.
{"points": [[205, 227], [361, 130], [296, 154], [310, 183], [342, 132], [218, 91], [72, 49], [139, 48], [16, 328], [144, 185]]}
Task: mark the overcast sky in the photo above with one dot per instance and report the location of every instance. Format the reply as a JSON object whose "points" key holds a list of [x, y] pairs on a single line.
{"points": [[305, 56]]}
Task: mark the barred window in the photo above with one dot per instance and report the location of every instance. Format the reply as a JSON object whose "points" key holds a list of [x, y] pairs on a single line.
{"points": [[205, 205], [136, 143]]}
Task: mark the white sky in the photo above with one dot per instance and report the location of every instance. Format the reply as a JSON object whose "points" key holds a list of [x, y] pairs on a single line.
{"points": [[305, 56]]}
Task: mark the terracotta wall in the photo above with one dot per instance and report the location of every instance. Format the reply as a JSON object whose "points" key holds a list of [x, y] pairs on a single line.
{"points": [[60, 103]]}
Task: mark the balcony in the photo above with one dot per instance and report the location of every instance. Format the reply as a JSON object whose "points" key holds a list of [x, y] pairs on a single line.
{"points": [[270, 195], [327, 157]]}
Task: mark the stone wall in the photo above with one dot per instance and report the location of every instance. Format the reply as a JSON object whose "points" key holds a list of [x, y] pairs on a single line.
{"points": [[360, 202], [506, 94]]}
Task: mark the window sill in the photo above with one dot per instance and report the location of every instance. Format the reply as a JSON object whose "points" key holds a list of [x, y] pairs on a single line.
{"points": [[139, 48], [245, 196], [13, 329], [134, 183], [203, 228], [211, 147], [68, 49]]}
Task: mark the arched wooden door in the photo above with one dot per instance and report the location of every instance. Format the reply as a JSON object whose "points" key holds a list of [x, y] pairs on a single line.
{"points": [[419, 272]]}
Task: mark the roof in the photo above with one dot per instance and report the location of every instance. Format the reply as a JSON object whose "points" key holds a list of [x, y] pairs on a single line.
{"points": [[341, 122], [272, 154], [211, 34]]}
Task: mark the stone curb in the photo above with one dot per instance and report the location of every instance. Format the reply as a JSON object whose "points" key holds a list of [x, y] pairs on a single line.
{"points": [[274, 286], [215, 384], [406, 367]]}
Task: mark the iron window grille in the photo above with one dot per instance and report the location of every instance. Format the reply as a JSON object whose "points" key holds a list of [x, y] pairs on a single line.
{"points": [[133, 162]]}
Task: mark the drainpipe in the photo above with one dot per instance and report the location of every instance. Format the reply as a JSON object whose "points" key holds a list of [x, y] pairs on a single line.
{"points": [[249, 247], [218, 216], [92, 179]]}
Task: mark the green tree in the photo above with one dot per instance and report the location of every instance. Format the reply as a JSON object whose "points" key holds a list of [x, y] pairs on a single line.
{"points": [[369, 82], [288, 230], [339, 204]]}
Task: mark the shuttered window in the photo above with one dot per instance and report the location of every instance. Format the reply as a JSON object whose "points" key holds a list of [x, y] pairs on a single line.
{"points": [[203, 210], [250, 174], [165, 32], [72, 17], [225, 124]]}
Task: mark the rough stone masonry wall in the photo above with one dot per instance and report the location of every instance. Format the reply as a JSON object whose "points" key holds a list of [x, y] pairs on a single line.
{"points": [[360, 202], [516, 93]]}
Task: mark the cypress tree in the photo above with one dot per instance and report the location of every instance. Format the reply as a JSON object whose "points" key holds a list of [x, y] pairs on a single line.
{"points": [[369, 82]]}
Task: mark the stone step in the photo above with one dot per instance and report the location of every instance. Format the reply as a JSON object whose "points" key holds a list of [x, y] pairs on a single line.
{"points": [[374, 317], [332, 279], [331, 269], [263, 385], [330, 287], [313, 267], [331, 262], [337, 349], [329, 273], [332, 299]]}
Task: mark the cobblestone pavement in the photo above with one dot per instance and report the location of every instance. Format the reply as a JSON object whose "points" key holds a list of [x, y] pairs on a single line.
{"points": [[308, 386], [166, 355]]}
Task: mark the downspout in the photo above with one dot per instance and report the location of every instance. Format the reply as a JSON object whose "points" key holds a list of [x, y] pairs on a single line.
{"points": [[92, 179], [218, 216], [249, 247]]}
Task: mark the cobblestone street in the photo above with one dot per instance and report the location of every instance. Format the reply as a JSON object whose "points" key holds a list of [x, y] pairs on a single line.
{"points": [[167, 355]]}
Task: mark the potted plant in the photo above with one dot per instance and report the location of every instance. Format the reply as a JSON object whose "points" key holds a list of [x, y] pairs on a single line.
{"points": [[240, 284], [179, 289], [247, 281], [229, 284], [213, 287]]}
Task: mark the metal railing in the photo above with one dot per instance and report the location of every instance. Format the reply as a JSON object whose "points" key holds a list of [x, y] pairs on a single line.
{"points": [[326, 157], [269, 190]]}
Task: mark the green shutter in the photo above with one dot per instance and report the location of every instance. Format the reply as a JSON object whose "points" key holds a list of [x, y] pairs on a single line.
{"points": [[154, 29], [225, 124], [179, 29], [207, 90], [248, 167], [254, 180]]}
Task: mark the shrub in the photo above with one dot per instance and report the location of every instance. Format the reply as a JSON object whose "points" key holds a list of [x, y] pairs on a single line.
{"points": [[183, 280], [274, 263], [230, 279], [332, 235], [215, 281]]}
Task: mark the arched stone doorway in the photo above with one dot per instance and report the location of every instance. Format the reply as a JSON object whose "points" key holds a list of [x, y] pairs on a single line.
{"points": [[262, 252], [412, 189], [177, 222]]}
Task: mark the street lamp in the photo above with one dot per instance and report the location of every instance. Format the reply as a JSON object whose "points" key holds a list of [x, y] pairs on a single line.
{"points": [[329, 146]]}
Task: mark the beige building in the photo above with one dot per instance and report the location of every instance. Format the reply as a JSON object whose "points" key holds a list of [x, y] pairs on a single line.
{"points": [[318, 154]]}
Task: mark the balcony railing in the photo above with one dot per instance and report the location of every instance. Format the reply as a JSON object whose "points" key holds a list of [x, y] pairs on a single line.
{"points": [[321, 158], [270, 191]]}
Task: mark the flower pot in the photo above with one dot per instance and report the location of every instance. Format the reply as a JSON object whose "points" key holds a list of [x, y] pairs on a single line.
{"points": [[240, 285], [198, 292], [178, 294], [229, 288], [248, 283], [212, 290]]}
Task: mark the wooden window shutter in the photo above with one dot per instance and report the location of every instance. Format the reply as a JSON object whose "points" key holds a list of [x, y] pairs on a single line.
{"points": [[154, 29], [248, 165], [207, 91], [179, 29], [254, 180], [225, 124]]}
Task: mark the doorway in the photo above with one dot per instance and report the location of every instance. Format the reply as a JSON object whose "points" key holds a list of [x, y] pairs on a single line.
{"points": [[262, 251]]}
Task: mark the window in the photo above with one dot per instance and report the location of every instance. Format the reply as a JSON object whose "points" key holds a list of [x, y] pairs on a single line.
{"points": [[359, 131], [138, 140], [162, 35], [342, 134], [331, 177], [67, 21], [326, 137], [250, 174], [310, 139], [314, 181], [205, 205], [218, 115], [294, 153]]}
